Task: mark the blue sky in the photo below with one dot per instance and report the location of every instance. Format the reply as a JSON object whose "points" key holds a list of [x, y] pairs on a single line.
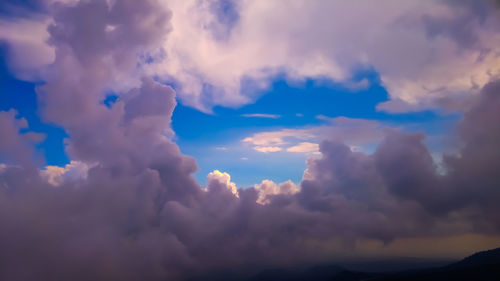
{"points": [[21, 96], [215, 139]]}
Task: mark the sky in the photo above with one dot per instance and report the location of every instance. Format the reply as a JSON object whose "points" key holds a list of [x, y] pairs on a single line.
{"points": [[291, 131]]}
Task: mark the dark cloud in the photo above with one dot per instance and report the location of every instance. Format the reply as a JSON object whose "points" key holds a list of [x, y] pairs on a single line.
{"points": [[408, 169], [350, 189], [402, 178], [474, 172], [462, 26]]}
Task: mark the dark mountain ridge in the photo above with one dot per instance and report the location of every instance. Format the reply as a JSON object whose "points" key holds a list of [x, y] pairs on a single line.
{"points": [[482, 266]]}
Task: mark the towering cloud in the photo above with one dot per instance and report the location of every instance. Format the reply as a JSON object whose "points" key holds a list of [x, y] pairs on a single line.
{"points": [[402, 175]]}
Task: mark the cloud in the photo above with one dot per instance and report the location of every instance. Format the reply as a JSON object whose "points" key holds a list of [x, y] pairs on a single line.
{"points": [[355, 132], [475, 165], [267, 188], [304, 147], [27, 48], [266, 149], [402, 175], [73, 171], [16, 147], [277, 137], [261, 115], [226, 58], [140, 215], [217, 179], [302, 41]]}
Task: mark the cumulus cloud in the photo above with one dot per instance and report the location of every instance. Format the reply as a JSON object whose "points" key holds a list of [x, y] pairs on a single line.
{"points": [[218, 179], [73, 171], [423, 50], [429, 54], [267, 188], [401, 174], [139, 214]]}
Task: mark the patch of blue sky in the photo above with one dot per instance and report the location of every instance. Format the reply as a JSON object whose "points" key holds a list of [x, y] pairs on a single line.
{"points": [[21, 96], [215, 139], [110, 99]]}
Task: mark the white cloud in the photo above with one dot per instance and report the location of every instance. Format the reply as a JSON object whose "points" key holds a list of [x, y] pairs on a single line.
{"points": [[411, 44], [266, 149], [354, 132], [28, 50], [73, 171], [304, 147], [261, 115], [424, 51], [268, 188], [277, 138], [323, 117], [222, 178]]}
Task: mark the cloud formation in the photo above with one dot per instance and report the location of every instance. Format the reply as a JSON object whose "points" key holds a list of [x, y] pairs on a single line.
{"points": [[424, 51], [267, 189], [148, 218], [429, 54], [138, 214]]}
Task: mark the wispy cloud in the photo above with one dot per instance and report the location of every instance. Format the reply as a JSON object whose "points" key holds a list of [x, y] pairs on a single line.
{"points": [[354, 132], [261, 115], [304, 147], [266, 149]]}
